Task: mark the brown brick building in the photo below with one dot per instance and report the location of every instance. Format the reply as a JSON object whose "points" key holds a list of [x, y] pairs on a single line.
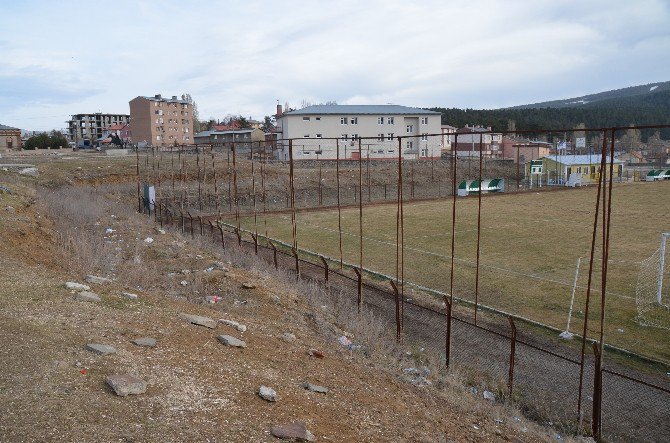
{"points": [[161, 122], [10, 139]]}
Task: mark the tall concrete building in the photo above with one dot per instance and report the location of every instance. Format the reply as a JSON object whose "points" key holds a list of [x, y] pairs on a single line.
{"points": [[383, 124], [159, 121], [91, 126]]}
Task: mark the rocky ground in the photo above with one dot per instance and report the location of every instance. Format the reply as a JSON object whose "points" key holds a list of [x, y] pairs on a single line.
{"points": [[66, 357]]}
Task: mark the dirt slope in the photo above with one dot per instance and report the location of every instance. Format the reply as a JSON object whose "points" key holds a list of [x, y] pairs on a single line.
{"points": [[53, 389]]}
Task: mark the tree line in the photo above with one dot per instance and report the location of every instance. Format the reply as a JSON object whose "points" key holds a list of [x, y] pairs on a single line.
{"points": [[652, 109]]}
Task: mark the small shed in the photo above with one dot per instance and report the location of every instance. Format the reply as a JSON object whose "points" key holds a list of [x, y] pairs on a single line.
{"points": [[571, 170]]}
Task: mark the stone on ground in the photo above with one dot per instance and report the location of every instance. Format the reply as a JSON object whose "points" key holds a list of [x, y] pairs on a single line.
{"points": [[199, 320], [248, 285], [288, 337], [130, 295], [232, 341], [240, 327], [77, 286], [95, 280], [124, 384], [145, 341], [100, 349], [267, 393], [33, 172], [296, 431], [220, 265], [316, 353], [87, 296], [315, 388]]}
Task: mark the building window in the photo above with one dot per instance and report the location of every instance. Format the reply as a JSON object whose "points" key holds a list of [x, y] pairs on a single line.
{"points": [[380, 137], [389, 136], [424, 136], [410, 144], [306, 136], [424, 120], [318, 135], [354, 136], [410, 128], [318, 118], [354, 120], [390, 120], [344, 137], [380, 120], [158, 137], [305, 119], [343, 121]]}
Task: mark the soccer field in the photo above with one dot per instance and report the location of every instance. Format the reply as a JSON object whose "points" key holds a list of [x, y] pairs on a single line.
{"points": [[529, 247]]}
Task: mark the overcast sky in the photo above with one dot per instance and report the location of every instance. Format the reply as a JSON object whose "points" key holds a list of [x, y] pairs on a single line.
{"points": [[239, 57]]}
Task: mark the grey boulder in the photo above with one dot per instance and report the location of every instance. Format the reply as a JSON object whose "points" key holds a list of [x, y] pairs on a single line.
{"points": [[124, 384]]}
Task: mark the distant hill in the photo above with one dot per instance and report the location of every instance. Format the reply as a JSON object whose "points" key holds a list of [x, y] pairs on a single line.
{"points": [[637, 105], [631, 94]]}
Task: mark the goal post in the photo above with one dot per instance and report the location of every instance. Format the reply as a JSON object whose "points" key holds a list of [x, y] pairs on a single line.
{"points": [[651, 293]]}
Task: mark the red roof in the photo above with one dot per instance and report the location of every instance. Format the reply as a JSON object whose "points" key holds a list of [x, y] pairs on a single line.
{"points": [[116, 127]]}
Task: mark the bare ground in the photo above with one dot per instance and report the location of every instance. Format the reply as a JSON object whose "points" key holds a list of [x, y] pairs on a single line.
{"points": [[52, 389]]}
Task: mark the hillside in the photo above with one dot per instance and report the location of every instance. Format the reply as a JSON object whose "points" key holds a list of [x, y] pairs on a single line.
{"points": [[638, 105], [632, 94], [52, 388]]}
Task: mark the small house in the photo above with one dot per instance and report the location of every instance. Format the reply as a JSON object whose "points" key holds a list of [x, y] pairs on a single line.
{"points": [[570, 170]]}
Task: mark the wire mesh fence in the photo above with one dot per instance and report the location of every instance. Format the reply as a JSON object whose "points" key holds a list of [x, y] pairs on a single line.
{"points": [[383, 220]]}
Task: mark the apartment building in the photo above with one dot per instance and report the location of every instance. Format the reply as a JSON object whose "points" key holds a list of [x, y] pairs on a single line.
{"points": [[323, 128], [90, 127], [159, 121], [448, 132], [469, 138]]}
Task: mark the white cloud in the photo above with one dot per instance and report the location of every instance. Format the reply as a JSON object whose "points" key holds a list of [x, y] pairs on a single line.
{"points": [[242, 56]]}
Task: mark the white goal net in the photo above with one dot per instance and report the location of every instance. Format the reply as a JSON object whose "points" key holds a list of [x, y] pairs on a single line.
{"points": [[652, 294]]}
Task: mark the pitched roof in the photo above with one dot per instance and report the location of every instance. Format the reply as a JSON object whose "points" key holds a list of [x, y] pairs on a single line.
{"points": [[360, 110], [8, 128], [214, 132], [580, 159]]}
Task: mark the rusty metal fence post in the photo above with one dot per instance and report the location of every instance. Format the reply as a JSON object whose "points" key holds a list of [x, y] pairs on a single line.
{"points": [[597, 394], [512, 355], [255, 239], [223, 240], [359, 277], [397, 309], [447, 344], [190, 218], [274, 253], [325, 269], [294, 251]]}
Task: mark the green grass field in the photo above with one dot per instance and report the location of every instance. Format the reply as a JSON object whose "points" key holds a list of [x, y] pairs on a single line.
{"points": [[529, 248]]}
